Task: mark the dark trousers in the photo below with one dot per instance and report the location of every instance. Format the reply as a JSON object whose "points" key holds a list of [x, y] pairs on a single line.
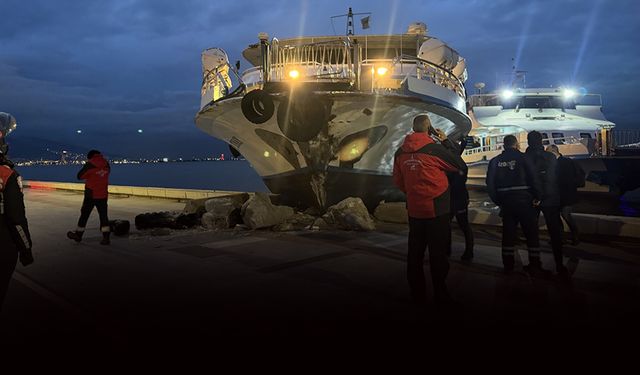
{"points": [[514, 212], [566, 214], [87, 207], [554, 226], [431, 233], [8, 259], [462, 218]]}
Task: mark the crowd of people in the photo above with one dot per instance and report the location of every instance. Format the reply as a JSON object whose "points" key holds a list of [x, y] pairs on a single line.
{"points": [[429, 170]]}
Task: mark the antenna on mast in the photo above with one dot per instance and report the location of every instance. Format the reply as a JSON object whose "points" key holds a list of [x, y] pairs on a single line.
{"points": [[350, 27]]}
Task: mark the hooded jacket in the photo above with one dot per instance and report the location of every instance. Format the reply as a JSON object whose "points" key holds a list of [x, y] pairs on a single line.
{"points": [[545, 164], [95, 172], [419, 170]]}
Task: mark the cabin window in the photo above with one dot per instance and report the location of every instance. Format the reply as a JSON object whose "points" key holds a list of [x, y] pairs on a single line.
{"points": [[585, 135], [558, 138], [545, 138]]}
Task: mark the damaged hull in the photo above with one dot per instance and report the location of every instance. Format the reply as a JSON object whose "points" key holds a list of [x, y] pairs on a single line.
{"points": [[351, 154]]}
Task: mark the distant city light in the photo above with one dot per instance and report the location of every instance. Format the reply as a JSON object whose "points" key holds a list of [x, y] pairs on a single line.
{"points": [[507, 94], [166, 160]]}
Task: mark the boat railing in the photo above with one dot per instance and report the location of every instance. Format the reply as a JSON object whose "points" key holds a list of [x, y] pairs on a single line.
{"points": [[435, 73], [494, 99], [320, 61]]}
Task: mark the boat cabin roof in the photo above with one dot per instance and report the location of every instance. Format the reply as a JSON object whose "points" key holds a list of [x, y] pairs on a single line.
{"points": [[373, 46]]}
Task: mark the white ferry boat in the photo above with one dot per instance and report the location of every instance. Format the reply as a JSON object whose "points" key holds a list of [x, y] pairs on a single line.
{"points": [[320, 117]]}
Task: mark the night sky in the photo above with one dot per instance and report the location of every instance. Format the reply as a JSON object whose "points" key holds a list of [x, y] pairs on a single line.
{"points": [[112, 67]]}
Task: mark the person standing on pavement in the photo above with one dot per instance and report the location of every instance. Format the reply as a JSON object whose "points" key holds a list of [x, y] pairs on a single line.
{"points": [[546, 169], [460, 208], [513, 185], [15, 239], [419, 170], [95, 172], [570, 177]]}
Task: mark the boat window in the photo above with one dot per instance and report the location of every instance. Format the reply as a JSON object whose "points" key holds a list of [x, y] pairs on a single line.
{"points": [[545, 138], [558, 138], [538, 102], [585, 135]]}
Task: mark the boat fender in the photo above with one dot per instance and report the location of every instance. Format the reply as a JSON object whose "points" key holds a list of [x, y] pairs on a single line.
{"points": [[301, 118], [257, 106]]}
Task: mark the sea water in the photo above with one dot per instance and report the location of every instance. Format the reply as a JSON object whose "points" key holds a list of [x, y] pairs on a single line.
{"points": [[234, 175]]}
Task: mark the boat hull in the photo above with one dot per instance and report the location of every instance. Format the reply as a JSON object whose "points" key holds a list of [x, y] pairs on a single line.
{"points": [[352, 154]]}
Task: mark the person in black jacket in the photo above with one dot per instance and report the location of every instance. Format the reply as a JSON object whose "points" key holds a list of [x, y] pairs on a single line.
{"points": [[460, 207], [570, 176], [513, 185], [546, 168], [15, 239]]}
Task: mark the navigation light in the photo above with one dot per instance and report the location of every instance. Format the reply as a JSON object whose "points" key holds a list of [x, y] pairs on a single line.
{"points": [[569, 93]]}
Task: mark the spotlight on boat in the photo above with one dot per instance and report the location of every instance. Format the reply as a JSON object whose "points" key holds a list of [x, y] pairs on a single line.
{"points": [[507, 94], [382, 71], [569, 93], [294, 74]]}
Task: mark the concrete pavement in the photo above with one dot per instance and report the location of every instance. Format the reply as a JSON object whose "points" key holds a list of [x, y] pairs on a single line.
{"points": [[171, 287]]}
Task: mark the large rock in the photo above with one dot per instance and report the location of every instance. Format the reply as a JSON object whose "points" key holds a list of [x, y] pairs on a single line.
{"points": [[392, 212], [350, 214], [224, 212], [195, 206], [259, 212], [298, 221]]}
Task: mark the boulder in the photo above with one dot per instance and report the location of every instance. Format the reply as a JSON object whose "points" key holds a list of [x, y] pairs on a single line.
{"points": [[392, 212], [259, 212], [298, 221], [349, 214], [224, 212], [195, 206]]}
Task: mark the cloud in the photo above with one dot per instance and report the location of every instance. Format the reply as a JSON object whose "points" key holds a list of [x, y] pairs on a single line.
{"points": [[111, 67]]}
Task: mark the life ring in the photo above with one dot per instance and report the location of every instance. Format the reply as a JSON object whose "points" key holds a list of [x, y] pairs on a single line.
{"points": [[302, 116], [257, 106]]}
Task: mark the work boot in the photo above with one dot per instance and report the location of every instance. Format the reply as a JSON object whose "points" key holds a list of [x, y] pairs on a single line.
{"points": [[105, 238], [75, 235], [534, 268], [467, 256], [509, 262], [563, 273]]}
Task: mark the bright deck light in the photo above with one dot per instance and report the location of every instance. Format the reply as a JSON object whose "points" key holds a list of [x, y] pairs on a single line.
{"points": [[568, 93], [507, 94], [382, 71], [294, 74], [266, 154]]}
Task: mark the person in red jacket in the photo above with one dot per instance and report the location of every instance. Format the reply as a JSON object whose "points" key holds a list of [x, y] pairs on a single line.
{"points": [[419, 170], [95, 172]]}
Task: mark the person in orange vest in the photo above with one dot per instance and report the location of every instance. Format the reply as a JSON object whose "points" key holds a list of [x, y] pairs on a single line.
{"points": [[15, 239], [419, 170], [95, 172]]}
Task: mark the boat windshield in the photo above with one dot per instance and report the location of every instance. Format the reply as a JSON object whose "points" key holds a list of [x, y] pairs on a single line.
{"points": [[537, 101]]}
